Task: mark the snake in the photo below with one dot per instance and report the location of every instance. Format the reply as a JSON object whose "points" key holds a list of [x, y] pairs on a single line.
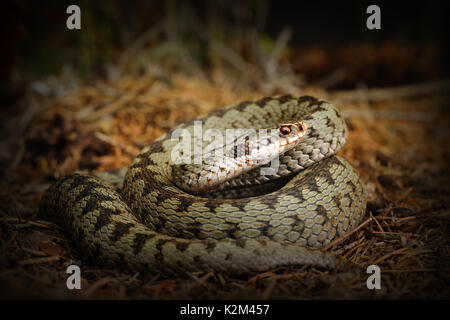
{"points": [[179, 217]]}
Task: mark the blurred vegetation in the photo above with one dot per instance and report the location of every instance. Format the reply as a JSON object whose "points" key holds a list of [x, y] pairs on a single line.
{"points": [[167, 33], [255, 39]]}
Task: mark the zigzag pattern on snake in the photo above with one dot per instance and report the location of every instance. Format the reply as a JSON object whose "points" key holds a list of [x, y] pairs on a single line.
{"points": [[153, 225]]}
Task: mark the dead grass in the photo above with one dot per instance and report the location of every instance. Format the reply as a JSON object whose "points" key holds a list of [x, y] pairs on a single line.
{"points": [[399, 145]]}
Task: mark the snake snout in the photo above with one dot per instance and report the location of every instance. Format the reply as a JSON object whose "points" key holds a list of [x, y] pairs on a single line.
{"points": [[292, 133]]}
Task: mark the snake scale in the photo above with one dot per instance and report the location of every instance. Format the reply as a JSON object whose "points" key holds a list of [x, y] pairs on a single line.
{"points": [[152, 225]]}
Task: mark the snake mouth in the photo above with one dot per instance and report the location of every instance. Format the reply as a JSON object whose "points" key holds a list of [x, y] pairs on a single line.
{"points": [[292, 133]]}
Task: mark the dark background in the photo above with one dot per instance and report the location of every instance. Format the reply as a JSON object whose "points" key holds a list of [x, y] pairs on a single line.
{"points": [[36, 43]]}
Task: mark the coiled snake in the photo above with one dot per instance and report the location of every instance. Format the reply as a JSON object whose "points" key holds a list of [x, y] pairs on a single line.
{"points": [[259, 222]]}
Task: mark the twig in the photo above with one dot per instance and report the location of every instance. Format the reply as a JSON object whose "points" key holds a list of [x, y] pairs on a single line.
{"points": [[35, 252], [353, 249], [39, 260], [269, 289], [221, 279], [117, 104], [114, 142], [273, 61], [33, 223], [202, 280], [8, 243], [94, 287], [376, 221], [410, 270], [140, 41], [395, 233], [387, 114], [408, 91], [390, 254], [235, 60], [332, 79], [346, 235]]}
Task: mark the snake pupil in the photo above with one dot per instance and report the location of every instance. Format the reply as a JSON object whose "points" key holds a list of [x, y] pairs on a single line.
{"points": [[285, 130]]}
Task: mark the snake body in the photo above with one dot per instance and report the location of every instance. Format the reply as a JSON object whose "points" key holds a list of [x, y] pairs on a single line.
{"points": [[284, 218]]}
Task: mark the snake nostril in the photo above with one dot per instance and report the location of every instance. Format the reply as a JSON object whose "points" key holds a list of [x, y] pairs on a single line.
{"points": [[302, 127]]}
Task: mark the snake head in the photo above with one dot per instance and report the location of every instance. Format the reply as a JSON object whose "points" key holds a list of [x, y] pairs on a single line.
{"points": [[291, 133]]}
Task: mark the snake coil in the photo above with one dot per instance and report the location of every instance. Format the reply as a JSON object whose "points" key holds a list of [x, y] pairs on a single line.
{"points": [[153, 225]]}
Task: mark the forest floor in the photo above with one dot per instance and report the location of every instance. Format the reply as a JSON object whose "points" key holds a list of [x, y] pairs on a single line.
{"points": [[398, 142]]}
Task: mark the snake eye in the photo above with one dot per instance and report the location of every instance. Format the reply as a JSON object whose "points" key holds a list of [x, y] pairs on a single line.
{"points": [[285, 130]]}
